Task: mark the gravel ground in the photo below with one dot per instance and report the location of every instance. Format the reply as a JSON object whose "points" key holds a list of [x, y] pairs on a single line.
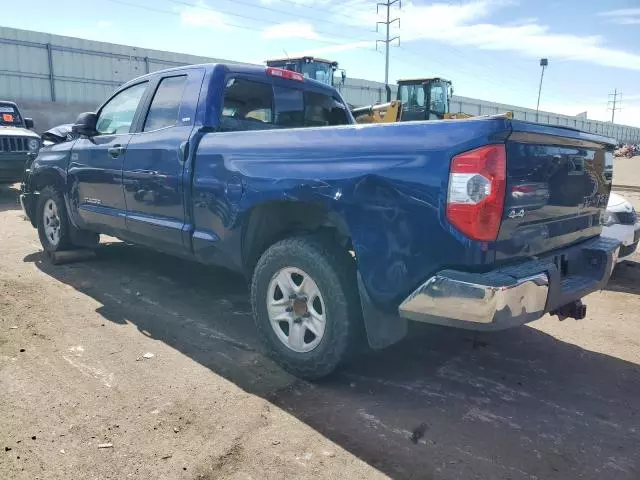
{"points": [[626, 171], [139, 365]]}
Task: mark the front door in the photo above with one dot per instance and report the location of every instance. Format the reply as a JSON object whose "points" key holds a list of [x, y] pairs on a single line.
{"points": [[95, 169], [153, 169]]}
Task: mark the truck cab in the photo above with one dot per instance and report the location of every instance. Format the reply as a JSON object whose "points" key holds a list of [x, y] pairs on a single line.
{"points": [[424, 98], [314, 68]]}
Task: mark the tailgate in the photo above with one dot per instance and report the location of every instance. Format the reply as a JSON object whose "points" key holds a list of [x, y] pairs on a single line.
{"points": [[556, 189]]}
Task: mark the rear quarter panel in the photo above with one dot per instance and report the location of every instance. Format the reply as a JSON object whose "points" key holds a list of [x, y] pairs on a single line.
{"points": [[387, 182]]}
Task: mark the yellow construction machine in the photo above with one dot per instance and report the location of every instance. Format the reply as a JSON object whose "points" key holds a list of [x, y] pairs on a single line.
{"points": [[311, 67], [418, 99]]}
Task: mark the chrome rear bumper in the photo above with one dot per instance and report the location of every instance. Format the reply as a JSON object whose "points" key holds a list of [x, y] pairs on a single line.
{"points": [[459, 300], [513, 295]]}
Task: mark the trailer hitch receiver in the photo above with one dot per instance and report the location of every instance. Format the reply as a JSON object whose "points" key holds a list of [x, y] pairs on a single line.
{"points": [[575, 309]]}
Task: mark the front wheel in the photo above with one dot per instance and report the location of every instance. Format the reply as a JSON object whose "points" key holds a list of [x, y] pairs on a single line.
{"points": [[306, 305], [51, 219]]}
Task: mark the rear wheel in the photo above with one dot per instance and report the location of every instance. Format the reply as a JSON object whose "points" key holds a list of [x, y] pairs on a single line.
{"points": [[306, 305]]}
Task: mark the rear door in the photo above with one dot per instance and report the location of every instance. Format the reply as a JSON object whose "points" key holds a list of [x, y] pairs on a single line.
{"points": [[153, 180], [95, 169]]}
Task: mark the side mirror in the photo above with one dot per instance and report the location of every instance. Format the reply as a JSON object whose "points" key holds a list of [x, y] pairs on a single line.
{"points": [[28, 122], [86, 124]]}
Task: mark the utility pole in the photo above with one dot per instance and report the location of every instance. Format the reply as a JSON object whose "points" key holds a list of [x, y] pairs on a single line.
{"points": [[543, 63], [615, 102], [388, 4]]}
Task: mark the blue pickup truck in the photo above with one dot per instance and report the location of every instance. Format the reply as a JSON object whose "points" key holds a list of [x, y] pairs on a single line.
{"points": [[346, 232]]}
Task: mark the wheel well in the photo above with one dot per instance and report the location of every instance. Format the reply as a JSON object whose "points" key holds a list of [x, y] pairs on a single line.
{"points": [[274, 221], [48, 177]]}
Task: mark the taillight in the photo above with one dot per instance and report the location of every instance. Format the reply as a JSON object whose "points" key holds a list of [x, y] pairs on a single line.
{"points": [[287, 74], [477, 182]]}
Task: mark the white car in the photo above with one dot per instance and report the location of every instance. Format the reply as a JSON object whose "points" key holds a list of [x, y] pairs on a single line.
{"points": [[621, 223]]}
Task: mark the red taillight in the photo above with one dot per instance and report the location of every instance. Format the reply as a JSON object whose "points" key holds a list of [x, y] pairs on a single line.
{"points": [[287, 74], [477, 182]]}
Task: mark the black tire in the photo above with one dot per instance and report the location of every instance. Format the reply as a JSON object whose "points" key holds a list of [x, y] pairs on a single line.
{"points": [[46, 194], [334, 272]]}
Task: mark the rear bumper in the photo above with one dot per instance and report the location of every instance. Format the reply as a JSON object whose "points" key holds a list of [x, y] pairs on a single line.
{"points": [[513, 295]]}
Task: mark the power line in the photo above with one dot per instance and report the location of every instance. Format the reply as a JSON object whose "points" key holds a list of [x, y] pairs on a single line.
{"points": [[615, 101], [462, 57], [387, 40], [307, 7], [235, 25], [263, 7]]}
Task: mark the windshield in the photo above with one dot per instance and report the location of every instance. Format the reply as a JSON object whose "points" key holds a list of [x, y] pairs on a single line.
{"points": [[9, 115], [322, 72], [412, 96], [438, 98]]}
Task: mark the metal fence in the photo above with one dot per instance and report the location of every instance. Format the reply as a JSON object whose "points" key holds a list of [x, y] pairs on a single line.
{"points": [[39, 67]]}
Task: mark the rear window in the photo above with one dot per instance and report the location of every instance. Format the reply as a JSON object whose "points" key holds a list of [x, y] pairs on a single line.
{"points": [[251, 105], [248, 105], [297, 108], [9, 115]]}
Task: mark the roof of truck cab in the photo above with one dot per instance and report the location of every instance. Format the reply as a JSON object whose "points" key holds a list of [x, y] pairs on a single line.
{"points": [[315, 59], [422, 80], [241, 68]]}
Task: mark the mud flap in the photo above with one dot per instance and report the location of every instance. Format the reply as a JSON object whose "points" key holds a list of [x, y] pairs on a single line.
{"points": [[383, 329]]}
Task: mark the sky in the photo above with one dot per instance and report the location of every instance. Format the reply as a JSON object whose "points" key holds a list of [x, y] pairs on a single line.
{"points": [[490, 49]]}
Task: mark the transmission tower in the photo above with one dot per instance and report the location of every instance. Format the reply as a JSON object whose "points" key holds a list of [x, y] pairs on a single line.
{"points": [[387, 5], [614, 102]]}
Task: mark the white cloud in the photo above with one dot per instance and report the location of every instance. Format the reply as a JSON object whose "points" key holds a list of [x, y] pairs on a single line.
{"points": [[297, 2], [290, 30], [621, 12], [628, 21], [202, 16], [331, 49], [104, 24], [465, 24], [623, 16]]}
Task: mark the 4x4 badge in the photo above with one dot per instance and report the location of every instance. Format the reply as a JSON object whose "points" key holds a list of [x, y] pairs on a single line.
{"points": [[516, 213]]}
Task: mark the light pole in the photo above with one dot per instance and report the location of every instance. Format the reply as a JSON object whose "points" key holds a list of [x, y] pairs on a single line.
{"points": [[543, 63]]}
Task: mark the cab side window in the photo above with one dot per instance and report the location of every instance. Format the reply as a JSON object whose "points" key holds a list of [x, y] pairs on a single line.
{"points": [[165, 105], [117, 115]]}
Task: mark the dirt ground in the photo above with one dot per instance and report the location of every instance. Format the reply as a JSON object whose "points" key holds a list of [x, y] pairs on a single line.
{"points": [[626, 171], [139, 365]]}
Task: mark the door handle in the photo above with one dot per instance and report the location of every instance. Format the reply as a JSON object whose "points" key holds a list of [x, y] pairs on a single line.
{"points": [[116, 151], [183, 151]]}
